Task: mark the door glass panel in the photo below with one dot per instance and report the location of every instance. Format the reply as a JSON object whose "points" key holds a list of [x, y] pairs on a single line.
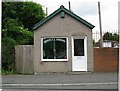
{"points": [[78, 47]]}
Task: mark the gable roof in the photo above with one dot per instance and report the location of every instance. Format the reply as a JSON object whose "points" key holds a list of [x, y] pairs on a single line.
{"points": [[66, 11]]}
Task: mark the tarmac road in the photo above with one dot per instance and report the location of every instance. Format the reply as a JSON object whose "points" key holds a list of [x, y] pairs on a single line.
{"points": [[54, 90], [62, 81]]}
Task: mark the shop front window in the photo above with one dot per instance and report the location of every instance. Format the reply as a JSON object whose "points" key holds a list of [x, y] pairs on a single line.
{"points": [[54, 48]]}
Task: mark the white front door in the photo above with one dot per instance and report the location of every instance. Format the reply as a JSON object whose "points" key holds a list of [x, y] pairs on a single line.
{"points": [[79, 53]]}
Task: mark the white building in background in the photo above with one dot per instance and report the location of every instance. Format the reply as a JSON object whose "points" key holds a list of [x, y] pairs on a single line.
{"points": [[107, 44], [114, 44]]}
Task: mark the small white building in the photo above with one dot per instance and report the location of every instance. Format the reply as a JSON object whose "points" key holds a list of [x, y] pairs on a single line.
{"points": [[107, 44]]}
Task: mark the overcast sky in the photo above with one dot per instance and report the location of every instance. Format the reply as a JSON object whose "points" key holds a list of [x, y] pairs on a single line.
{"points": [[88, 10]]}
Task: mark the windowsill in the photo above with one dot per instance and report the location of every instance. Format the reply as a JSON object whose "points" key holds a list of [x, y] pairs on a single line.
{"points": [[54, 60]]}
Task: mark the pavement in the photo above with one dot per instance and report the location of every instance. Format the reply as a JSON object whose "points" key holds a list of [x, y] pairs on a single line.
{"points": [[61, 81]]}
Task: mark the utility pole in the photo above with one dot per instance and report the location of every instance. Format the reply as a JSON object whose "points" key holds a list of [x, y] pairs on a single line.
{"points": [[100, 24], [46, 11], [69, 5]]}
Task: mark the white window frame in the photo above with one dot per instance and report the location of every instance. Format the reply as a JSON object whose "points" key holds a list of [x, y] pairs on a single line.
{"points": [[53, 59]]}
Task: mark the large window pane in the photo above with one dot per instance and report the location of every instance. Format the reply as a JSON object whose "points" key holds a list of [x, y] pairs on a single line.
{"points": [[48, 48], [61, 48], [54, 48], [78, 47]]}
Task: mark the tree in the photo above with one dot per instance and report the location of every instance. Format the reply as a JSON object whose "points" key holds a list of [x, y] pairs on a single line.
{"points": [[13, 34], [28, 13], [8, 53], [93, 43], [111, 37], [15, 30], [18, 19]]}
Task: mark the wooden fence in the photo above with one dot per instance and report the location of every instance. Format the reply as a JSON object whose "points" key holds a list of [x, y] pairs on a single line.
{"points": [[24, 55]]}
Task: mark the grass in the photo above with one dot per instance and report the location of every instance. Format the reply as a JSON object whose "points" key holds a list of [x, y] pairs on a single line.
{"points": [[4, 72]]}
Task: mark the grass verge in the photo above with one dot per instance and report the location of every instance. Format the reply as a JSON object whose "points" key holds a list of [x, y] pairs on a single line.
{"points": [[4, 72]]}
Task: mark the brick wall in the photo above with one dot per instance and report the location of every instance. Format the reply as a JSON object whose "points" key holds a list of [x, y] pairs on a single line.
{"points": [[106, 59]]}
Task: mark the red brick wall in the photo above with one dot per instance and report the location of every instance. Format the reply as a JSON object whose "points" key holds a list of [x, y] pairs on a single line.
{"points": [[106, 59]]}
